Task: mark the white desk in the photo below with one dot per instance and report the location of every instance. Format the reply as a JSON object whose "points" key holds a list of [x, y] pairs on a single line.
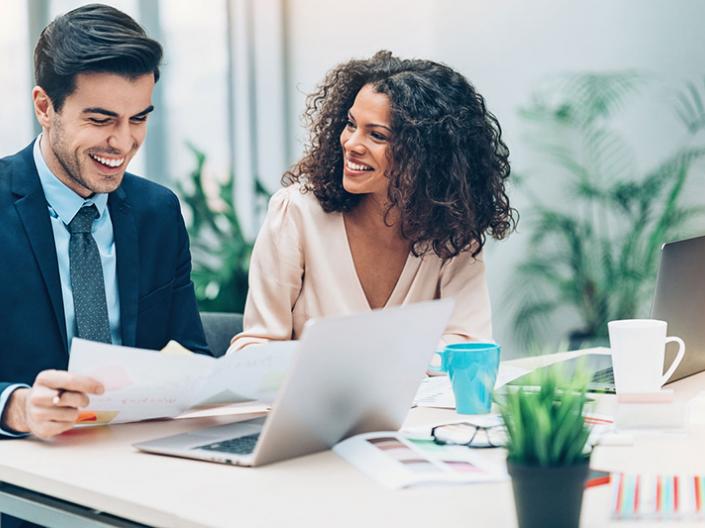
{"points": [[98, 469]]}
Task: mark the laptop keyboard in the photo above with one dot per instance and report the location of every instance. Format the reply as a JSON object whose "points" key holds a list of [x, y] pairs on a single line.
{"points": [[603, 381], [604, 376], [242, 445]]}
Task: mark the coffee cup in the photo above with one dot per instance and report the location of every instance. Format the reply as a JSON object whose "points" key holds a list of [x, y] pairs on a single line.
{"points": [[472, 369], [638, 354]]}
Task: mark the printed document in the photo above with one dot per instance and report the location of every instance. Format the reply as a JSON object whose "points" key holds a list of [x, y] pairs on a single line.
{"points": [[144, 384]]}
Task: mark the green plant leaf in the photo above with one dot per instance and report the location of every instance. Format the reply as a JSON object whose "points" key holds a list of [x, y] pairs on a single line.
{"points": [[690, 107], [547, 427], [220, 251]]}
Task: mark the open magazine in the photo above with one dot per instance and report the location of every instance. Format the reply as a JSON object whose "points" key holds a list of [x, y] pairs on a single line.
{"points": [[400, 461], [411, 458]]}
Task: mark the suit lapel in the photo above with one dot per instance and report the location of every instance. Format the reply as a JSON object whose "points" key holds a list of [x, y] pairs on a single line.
{"points": [[32, 210], [127, 255]]}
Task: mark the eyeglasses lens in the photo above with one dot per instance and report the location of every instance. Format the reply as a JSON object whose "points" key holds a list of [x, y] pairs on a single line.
{"points": [[471, 435], [455, 433]]}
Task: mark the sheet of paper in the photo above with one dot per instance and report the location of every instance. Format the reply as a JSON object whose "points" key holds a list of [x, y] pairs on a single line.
{"points": [[508, 373], [255, 373], [139, 384], [436, 391], [143, 384], [228, 409]]}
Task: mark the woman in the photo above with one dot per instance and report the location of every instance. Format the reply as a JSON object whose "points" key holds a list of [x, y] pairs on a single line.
{"points": [[402, 180]]}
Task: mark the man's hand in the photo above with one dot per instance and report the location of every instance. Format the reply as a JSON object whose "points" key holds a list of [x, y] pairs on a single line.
{"points": [[51, 406]]}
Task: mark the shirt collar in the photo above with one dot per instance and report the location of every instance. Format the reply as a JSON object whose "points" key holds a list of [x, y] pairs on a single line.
{"points": [[61, 199]]}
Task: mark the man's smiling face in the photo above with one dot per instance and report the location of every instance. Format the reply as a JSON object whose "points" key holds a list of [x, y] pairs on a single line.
{"points": [[101, 125]]}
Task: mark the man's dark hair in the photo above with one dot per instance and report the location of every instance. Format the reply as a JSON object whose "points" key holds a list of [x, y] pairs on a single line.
{"points": [[94, 38]]}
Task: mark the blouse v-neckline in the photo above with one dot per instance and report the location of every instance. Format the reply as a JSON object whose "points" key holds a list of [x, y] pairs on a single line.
{"points": [[358, 283]]}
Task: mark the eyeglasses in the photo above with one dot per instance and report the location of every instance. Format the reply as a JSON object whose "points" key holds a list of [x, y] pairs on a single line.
{"points": [[470, 435]]}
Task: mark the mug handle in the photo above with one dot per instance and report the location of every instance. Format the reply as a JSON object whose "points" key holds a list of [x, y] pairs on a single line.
{"points": [[437, 369], [677, 361]]}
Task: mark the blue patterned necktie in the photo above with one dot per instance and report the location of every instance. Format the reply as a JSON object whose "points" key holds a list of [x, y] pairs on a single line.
{"points": [[87, 283]]}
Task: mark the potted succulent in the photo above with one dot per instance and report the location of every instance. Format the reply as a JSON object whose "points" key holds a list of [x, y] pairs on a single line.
{"points": [[548, 454]]}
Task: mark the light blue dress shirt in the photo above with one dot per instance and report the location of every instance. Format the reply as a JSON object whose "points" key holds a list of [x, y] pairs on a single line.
{"points": [[63, 206]]}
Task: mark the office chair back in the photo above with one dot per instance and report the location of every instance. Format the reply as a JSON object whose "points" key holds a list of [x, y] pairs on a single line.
{"points": [[219, 328]]}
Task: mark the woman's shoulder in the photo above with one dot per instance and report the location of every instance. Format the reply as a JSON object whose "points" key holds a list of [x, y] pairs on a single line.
{"points": [[296, 201]]}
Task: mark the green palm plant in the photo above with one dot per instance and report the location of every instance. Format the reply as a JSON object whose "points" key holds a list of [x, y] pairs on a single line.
{"points": [[690, 106], [220, 251], [597, 251]]}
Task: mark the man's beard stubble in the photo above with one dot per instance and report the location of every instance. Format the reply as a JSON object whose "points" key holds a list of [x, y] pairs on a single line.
{"points": [[69, 162]]}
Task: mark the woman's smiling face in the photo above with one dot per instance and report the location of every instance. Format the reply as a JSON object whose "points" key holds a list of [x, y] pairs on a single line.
{"points": [[365, 143]]}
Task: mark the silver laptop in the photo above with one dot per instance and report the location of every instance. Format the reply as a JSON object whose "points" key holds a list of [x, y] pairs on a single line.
{"points": [[351, 374], [679, 300]]}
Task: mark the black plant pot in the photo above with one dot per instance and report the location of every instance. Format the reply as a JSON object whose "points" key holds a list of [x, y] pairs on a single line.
{"points": [[548, 497]]}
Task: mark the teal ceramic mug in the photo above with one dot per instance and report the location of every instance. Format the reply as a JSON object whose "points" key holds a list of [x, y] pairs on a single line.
{"points": [[472, 369]]}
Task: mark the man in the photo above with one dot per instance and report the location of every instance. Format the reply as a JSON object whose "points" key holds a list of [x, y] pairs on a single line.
{"points": [[86, 249]]}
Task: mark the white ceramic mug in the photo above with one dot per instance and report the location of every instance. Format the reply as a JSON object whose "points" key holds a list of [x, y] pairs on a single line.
{"points": [[638, 354]]}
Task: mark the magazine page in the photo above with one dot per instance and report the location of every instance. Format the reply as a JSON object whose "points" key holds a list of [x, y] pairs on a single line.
{"points": [[399, 461]]}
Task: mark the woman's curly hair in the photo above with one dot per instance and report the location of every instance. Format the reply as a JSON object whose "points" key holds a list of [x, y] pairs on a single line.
{"points": [[448, 164]]}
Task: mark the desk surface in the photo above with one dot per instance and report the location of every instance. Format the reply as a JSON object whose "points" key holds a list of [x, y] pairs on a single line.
{"points": [[99, 469]]}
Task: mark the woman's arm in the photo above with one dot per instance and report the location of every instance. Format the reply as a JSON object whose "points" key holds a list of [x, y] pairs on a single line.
{"points": [[463, 279], [275, 278]]}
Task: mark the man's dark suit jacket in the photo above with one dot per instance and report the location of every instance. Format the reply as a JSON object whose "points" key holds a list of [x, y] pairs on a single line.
{"points": [[157, 300]]}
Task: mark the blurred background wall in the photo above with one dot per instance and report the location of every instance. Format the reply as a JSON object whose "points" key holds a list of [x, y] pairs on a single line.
{"points": [[236, 73]]}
